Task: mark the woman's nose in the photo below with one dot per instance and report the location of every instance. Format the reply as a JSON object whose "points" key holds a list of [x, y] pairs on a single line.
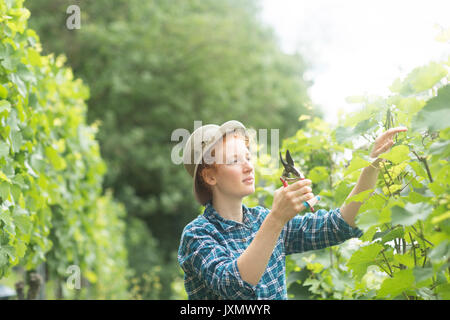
{"points": [[248, 164]]}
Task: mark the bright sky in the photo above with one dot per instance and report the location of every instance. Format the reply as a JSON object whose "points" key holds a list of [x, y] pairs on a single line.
{"points": [[358, 46]]}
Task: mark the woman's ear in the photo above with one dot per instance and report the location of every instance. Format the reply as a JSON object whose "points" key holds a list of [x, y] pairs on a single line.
{"points": [[208, 176]]}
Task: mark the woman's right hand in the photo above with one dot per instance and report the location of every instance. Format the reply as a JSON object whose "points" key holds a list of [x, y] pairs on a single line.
{"points": [[288, 201]]}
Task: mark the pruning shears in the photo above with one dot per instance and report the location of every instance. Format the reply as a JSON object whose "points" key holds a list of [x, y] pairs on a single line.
{"points": [[292, 174]]}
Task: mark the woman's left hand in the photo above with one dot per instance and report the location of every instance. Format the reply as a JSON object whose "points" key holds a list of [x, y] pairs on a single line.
{"points": [[385, 141]]}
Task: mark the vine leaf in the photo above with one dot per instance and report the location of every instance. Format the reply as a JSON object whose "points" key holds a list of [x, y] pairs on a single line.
{"points": [[410, 214], [397, 154], [363, 258], [435, 114], [392, 287]]}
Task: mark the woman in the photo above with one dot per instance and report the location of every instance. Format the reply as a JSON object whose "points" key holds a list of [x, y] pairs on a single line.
{"points": [[236, 252]]}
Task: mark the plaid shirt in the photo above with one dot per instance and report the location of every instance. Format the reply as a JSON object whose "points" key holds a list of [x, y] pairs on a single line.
{"points": [[210, 246]]}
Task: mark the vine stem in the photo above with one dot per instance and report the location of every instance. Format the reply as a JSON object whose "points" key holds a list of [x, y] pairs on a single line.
{"points": [[384, 270], [387, 172], [424, 161], [407, 184], [387, 263], [414, 248], [386, 184]]}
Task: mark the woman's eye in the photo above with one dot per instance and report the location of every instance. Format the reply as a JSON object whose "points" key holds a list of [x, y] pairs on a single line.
{"points": [[235, 161]]}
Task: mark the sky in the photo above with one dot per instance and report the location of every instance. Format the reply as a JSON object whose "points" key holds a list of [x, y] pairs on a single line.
{"points": [[358, 47]]}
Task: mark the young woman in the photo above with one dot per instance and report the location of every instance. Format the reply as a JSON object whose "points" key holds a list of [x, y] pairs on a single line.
{"points": [[232, 251]]}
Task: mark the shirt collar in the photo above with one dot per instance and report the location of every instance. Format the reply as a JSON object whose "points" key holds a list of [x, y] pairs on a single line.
{"points": [[212, 215]]}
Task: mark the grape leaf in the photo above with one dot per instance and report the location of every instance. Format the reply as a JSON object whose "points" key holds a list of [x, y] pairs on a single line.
{"points": [[3, 92], [392, 287], [363, 258], [397, 154], [5, 105], [435, 114], [410, 214], [355, 164]]}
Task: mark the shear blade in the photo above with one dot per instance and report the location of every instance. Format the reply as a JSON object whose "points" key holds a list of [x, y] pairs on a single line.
{"points": [[289, 158]]}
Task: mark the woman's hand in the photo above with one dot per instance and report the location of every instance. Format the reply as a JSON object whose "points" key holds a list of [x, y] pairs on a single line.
{"points": [[288, 202], [385, 141]]}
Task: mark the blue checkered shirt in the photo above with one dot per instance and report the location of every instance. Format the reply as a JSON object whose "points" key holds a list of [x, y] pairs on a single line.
{"points": [[210, 246]]}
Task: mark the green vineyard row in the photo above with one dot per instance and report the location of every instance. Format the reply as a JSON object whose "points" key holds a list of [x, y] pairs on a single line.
{"points": [[51, 172]]}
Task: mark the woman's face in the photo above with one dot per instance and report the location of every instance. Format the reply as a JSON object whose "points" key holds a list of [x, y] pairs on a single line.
{"points": [[234, 176]]}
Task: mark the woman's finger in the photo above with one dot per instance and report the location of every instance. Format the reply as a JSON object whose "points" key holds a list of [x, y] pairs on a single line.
{"points": [[298, 185], [392, 131], [301, 192], [308, 196]]}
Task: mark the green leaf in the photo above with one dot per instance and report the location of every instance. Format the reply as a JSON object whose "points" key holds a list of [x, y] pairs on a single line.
{"points": [[3, 177], [21, 87], [363, 258], [405, 259], [3, 258], [392, 287], [3, 92], [16, 141], [397, 154], [318, 174], [415, 197], [23, 223], [368, 218], [5, 217], [435, 114], [360, 197], [4, 149], [418, 169], [370, 212], [423, 78], [422, 275], [437, 188], [441, 148], [354, 118], [34, 57], [444, 291], [441, 217], [420, 79], [4, 190], [410, 105], [355, 164], [426, 294], [57, 162], [5, 105], [343, 134], [410, 214], [393, 234], [441, 252]]}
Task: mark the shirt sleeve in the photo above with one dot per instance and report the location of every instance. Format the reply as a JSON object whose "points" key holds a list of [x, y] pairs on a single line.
{"points": [[317, 230], [201, 254]]}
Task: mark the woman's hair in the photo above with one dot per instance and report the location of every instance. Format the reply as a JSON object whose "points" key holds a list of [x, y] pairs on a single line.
{"points": [[204, 165]]}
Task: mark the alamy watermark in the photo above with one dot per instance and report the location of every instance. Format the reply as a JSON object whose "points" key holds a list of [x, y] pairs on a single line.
{"points": [[73, 21], [258, 147], [74, 279]]}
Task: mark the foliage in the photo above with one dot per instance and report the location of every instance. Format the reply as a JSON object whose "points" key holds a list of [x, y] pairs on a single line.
{"points": [[405, 250], [51, 172]]}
